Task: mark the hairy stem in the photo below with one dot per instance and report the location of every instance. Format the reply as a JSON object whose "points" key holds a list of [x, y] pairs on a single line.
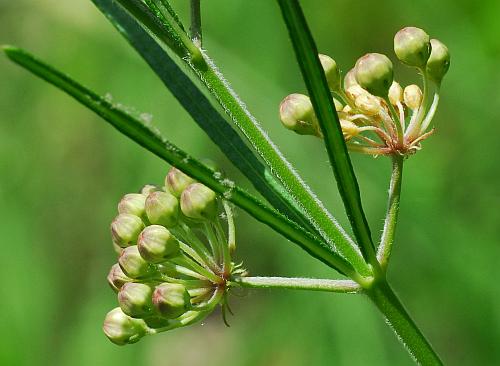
{"points": [[295, 283], [402, 324], [391, 218]]}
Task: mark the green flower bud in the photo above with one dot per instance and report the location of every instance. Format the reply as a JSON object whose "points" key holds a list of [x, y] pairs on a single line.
{"points": [[374, 73], [297, 114], [413, 96], [156, 244], [133, 265], [125, 229], [171, 300], [350, 79], [122, 329], [149, 188], [199, 202], [116, 277], [176, 181], [412, 46], [135, 299], [132, 203], [162, 208], [368, 104], [439, 61], [395, 93], [332, 72]]}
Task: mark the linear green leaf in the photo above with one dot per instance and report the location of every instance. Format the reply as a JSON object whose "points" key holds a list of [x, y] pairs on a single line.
{"points": [[151, 141], [314, 77], [316, 213], [202, 111]]}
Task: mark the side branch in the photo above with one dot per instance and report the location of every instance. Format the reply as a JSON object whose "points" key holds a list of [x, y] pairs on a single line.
{"points": [[294, 283]]}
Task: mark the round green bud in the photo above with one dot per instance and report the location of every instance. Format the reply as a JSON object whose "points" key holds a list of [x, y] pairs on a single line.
{"points": [[122, 329], [149, 188], [133, 265], [162, 208], [350, 79], [374, 73], [135, 299], [171, 300], [125, 229], [176, 181], [156, 244], [116, 277], [199, 202], [413, 96], [412, 46], [332, 72], [438, 62], [132, 203], [395, 93], [297, 114]]}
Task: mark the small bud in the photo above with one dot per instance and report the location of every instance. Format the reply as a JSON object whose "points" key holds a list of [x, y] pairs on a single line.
{"points": [[118, 249], [297, 114], [162, 208], [367, 104], [395, 93], [122, 329], [374, 73], [116, 277], [171, 300], [135, 299], [125, 229], [413, 96], [332, 72], [338, 105], [350, 79], [412, 46], [133, 265], [439, 61], [199, 202], [149, 188], [349, 129], [156, 244], [132, 203], [176, 181]]}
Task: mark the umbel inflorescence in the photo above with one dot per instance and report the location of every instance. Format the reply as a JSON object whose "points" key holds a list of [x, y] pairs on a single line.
{"points": [[377, 115], [174, 259]]}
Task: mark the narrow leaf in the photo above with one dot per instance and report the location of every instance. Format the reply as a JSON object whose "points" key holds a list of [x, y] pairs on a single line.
{"points": [[324, 223], [314, 77], [202, 111], [151, 141]]}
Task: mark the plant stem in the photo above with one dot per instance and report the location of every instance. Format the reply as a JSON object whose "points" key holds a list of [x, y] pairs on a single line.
{"points": [[196, 22], [401, 323], [391, 219], [294, 283]]}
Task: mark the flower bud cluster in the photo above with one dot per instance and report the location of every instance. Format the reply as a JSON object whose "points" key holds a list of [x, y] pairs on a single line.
{"points": [[377, 115], [174, 258]]}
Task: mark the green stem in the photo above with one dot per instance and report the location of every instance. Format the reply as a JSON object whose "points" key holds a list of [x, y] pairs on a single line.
{"points": [[402, 324], [196, 22], [391, 218], [294, 283]]}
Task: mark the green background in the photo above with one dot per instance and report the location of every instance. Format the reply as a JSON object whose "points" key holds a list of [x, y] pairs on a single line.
{"points": [[62, 171]]}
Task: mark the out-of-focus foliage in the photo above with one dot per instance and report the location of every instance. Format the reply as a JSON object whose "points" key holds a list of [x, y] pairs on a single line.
{"points": [[62, 173]]}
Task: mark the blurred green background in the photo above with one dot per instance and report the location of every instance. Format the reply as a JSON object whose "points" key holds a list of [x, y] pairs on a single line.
{"points": [[62, 171]]}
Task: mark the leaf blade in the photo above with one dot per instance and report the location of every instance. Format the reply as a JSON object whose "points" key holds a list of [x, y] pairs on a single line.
{"points": [[151, 141], [314, 77]]}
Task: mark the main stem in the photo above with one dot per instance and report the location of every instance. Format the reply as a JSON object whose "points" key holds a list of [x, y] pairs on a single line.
{"points": [[400, 321]]}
